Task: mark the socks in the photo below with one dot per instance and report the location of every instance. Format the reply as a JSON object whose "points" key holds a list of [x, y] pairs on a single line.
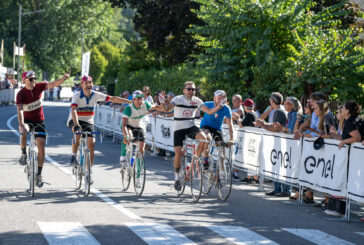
{"points": [[176, 176], [39, 170], [74, 154], [205, 160], [24, 150], [123, 149]]}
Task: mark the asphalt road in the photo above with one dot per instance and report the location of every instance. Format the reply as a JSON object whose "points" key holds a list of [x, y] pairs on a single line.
{"points": [[60, 214]]}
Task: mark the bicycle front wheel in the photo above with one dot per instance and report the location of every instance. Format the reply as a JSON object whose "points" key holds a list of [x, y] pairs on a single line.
{"points": [[31, 171], [224, 181], [139, 171], [87, 168], [207, 177], [77, 170], [126, 172], [196, 179]]}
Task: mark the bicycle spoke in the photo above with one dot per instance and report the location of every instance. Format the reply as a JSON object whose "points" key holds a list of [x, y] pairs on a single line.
{"points": [[139, 174]]}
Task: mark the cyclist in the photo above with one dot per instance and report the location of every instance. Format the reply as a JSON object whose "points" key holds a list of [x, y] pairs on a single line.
{"points": [[31, 116], [185, 107], [132, 123], [212, 124], [81, 117]]}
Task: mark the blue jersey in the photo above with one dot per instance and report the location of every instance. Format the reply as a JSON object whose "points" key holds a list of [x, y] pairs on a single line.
{"points": [[215, 120]]}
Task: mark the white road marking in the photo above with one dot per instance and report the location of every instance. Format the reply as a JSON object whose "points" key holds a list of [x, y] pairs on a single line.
{"points": [[240, 235], [360, 233], [317, 237], [155, 234], [74, 233]]}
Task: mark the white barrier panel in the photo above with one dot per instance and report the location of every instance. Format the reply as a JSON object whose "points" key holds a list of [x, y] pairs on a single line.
{"points": [[280, 157], [118, 119], [356, 173], [164, 131], [324, 170], [149, 129], [248, 149]]}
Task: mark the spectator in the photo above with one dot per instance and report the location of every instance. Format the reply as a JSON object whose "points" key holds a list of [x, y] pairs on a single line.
{"points": [[126, 95], [250, 116], [147, 97], [351, 134], [269, 112], [280, 116], [167, 101], [302, 119], [292, 106], [337, 132], [155, 97], [59, 92], [51, 94], [237, 109]]}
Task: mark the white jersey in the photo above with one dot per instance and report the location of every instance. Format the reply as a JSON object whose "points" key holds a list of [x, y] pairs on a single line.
{"points": [[86, 106], [185, 111]]}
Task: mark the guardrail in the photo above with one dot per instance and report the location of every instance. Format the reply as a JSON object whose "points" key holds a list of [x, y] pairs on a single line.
{"points": [[274, 156]]}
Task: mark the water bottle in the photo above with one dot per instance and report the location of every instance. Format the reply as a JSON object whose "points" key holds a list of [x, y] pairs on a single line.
{"points": [[131, 161]]}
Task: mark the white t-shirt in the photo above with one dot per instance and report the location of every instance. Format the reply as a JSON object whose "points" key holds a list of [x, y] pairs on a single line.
{"points": [[86, 106], [135, 115], [185, 111]]}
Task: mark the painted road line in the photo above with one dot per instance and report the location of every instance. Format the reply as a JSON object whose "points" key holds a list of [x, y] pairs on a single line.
{"points": [[67, 170], [74, 233], [154, 233], [360, 233], [240, 235], [317, 237]]}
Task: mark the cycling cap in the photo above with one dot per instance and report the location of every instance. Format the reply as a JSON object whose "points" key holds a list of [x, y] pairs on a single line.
{"points": [[27, 74], [138, 94], [86, 78], [219, 92]]}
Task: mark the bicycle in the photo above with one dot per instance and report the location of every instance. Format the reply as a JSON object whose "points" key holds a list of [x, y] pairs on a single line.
{"points": [[31, 168], [191, 169], [84, 162], [135, 167], [219, 172]]}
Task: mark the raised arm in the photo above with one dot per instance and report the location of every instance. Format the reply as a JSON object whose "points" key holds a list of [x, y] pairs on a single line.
{"points": [[229, 122], [119, 100], [58, 82], [210, 111]]}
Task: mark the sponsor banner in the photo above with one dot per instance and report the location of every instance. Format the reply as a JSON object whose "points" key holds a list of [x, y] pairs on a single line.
{"points": [[324, 170], [85, 63], [247, 150], [356, 173], [118, 120], [280, 157], [164, 128]]}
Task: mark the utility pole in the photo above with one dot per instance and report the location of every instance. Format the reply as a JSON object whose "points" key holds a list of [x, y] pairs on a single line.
{"points": [[19, 34]]}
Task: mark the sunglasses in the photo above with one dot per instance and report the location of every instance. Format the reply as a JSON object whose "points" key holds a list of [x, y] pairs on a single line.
{"points": [[32, 79], [191, 89]]}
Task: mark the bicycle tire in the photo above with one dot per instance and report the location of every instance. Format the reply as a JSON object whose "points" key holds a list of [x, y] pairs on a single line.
{"points": [[224, 179], [126, 172], [182, 175], [87, 173], [196, 179], [32, 172], [77, 170], [139, 172], [207, 179]]}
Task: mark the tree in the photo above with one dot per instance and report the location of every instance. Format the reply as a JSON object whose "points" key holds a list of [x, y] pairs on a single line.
{"points": [[163, 24]]}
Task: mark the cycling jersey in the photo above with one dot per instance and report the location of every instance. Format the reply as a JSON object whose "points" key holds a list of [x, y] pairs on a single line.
{"points": [[215, 120], [32, 102], [185, 111], [135, 115], [86, 105]]}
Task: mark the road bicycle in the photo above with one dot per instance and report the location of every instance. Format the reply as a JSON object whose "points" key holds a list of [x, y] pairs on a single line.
{"points": [[83, 168], [134, 168], [32, 158], [191, 169], [219, 173]]}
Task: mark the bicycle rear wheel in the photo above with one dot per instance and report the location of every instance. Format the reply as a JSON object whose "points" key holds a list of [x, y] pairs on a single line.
{"points": [[87, 168], [196, 179], [126, 172], [182, 175], [224, 181], [139, 171], [207, 177]]}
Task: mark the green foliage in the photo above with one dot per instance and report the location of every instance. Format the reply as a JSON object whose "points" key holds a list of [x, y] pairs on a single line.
{"points": [[98, 64], [256, 47]]}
